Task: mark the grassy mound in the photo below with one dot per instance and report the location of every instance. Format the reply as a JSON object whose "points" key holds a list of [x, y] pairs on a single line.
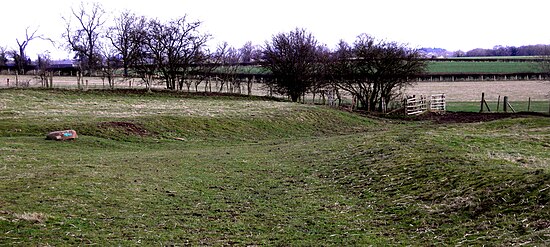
{"points": [[175, 169], [454, 185], [133, 114]]}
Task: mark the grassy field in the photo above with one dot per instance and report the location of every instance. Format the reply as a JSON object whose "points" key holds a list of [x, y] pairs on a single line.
{"points": [[532, 58], [460, 65], [175, 169], [518, 106], [466, 67], [457, 65]]}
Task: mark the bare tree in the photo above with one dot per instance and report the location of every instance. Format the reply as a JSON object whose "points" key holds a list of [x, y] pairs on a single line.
{"points": [[174, 47], [4, 53], [249, 55], [20, 57], [202, 71], [292, 59], [84, 37], [228, 58], [145, 65], [110, 63], [322, 84], [46, 77], [128, 37], [374, 71]]}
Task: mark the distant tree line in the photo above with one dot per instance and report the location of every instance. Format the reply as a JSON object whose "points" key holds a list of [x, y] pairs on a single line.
{"points": [[528, 50], [176, 52]]}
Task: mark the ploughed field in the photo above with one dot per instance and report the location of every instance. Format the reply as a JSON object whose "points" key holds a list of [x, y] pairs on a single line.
{"points": [[167, 168], [464, 91]]}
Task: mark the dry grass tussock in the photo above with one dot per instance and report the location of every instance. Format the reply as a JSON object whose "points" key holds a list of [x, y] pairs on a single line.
{"points": [[43, 105], [33, 217], [519, 159]]}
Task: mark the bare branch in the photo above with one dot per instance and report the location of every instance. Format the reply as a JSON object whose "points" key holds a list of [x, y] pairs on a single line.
{"points": [[292, 59], [372, 70], [84, 38], [174, 46]]}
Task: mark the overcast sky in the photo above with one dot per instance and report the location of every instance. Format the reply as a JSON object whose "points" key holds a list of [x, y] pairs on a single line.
{"points": [[450, 24]]}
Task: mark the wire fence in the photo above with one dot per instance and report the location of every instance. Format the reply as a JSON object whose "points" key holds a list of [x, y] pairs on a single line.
{"points": [[502, 104], [517, 104]]}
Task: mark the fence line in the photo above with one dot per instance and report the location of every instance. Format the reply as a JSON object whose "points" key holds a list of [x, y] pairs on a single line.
{"points": [[450, 77], [415, 105], [438, 103], [506, 105]]}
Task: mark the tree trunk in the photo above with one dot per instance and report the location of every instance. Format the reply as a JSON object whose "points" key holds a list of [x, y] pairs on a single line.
{"points": [[339, 97], [51, 80], [249, 84], [294, 96]]}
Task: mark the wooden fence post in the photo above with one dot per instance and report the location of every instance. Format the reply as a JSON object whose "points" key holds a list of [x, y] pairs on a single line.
{"points": [[405, 106], [481, 103], [505, 104], [511, 107], [498, 104], [484, 102], [529, 105]]}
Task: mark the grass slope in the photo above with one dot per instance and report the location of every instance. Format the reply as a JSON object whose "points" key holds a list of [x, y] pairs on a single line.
{"points": [[174, 169]]}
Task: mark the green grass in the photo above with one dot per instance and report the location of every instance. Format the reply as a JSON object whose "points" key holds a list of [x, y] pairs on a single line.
{"points": [[250, 171], [467, 67], [461, 65], [519, 106], [534, 58]]}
